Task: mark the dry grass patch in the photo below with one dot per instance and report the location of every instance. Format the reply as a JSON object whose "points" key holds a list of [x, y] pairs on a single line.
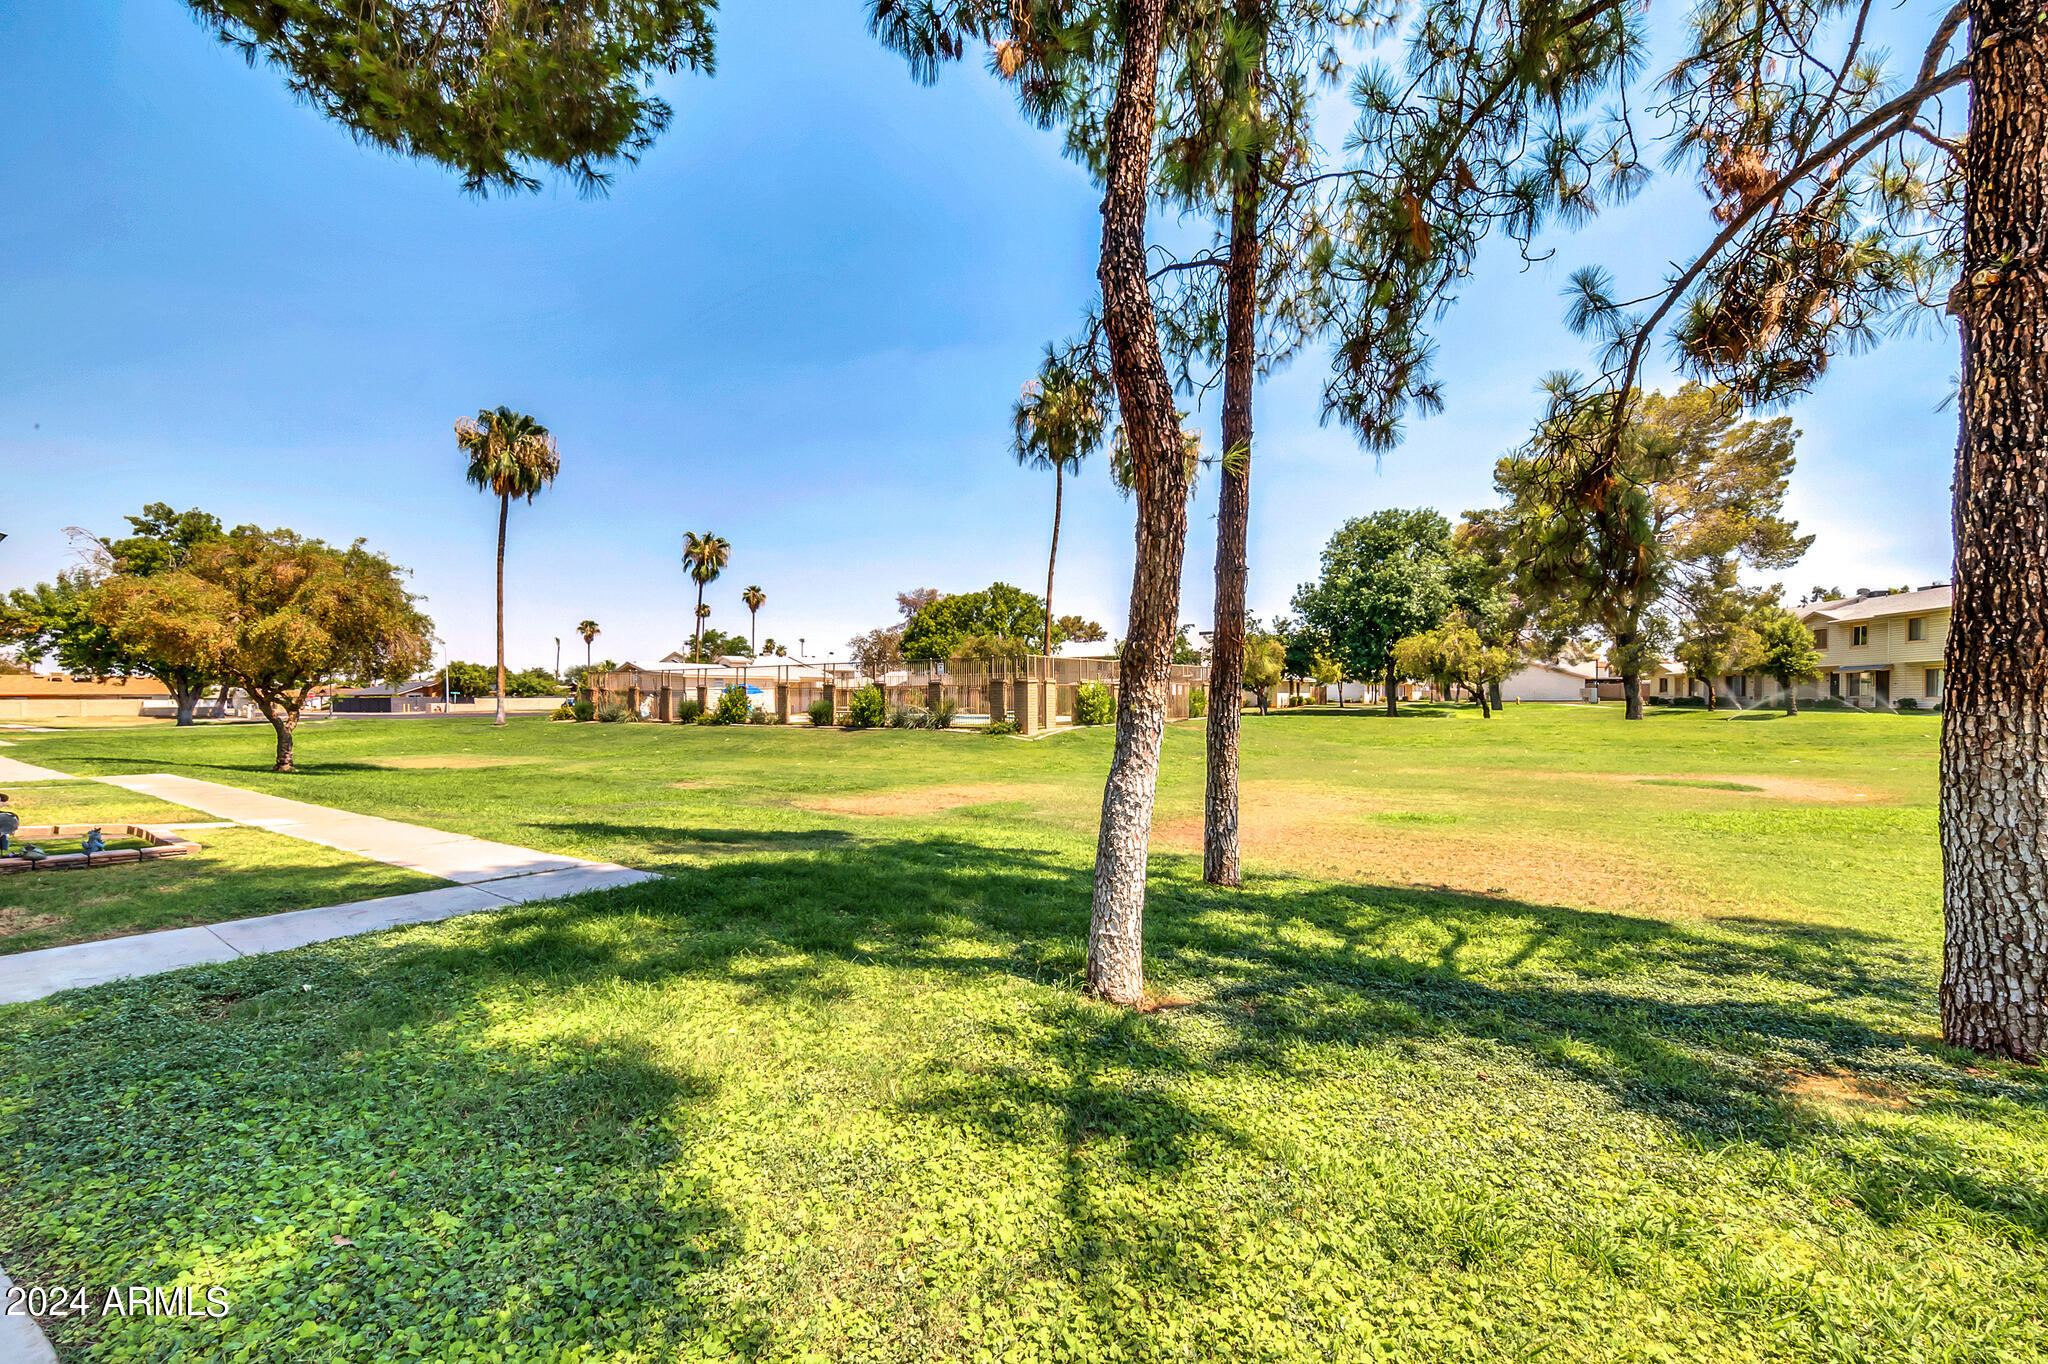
{"points": [[1849, 1090], [1358, 837], [452, 761], [925, 800]]}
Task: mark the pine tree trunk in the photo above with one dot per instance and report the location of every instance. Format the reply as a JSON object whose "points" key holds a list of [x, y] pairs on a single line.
{"points": [[1994, 729], [1116, 965], [1233, 517], [1392, 708], [1059, 488], [1632, 696], [504, 507]]}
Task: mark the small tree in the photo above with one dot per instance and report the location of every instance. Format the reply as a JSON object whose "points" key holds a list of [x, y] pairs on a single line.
{"points": [[1717, 630], [1785, 650], [1265, 663], [1328, 674], [1384, 578], [1059, 421], [280, 615]]}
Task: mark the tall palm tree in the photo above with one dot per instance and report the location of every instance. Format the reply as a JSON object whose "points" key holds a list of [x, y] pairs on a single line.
{"points": [[511, 455], [1059, 422], [755, 599], [588, 629], [705, 556]]}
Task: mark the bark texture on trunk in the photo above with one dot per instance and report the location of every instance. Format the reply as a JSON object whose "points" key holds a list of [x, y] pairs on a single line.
{"points": [[188, 701], [1233, 516], [504, 508], [1392, 705], [1059, 490], [285, 720], [1632, 696], [1994, 729], [1116, 948]]}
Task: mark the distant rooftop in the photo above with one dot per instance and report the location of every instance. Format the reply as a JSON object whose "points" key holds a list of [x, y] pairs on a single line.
{"points": [[1868, 605]]}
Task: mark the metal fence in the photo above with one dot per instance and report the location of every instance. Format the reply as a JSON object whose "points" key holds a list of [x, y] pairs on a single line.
{"points": [[1033, 692]]}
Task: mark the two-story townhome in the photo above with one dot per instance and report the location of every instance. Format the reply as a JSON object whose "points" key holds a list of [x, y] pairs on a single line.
{"points": [[1880, 648]]}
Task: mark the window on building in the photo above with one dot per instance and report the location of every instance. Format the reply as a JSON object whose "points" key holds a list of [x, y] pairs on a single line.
{"points": [[1934, 681], [1820, 639], [1859, 635], [1855, 684], [1664, 685], [1916, 628]]}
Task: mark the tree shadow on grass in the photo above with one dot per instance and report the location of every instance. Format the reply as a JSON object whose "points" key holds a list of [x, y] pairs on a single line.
{"points": [[1694, 1026]]}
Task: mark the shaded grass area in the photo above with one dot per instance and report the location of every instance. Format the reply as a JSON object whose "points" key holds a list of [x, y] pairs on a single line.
{"points": [[234, 873], [827, 1090]]}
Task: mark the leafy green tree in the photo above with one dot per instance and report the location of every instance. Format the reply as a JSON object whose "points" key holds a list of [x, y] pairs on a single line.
{"points": [[511, 455], [1704, 488], [1079, 630], [1265, 663], [1059, 422], [1785, 650], [997, 612], [705, 556], [63, 619], [877, 652], [1717, 628], [1384, 578], [278, 613], [491, 90]]}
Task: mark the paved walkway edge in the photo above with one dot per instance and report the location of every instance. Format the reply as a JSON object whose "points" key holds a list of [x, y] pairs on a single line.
{"points": [[21, 1340], [32, 975]]}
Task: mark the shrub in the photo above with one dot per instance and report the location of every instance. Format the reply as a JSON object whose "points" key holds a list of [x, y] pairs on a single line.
{"points": [[758, 716], [733, 706], [867, 709], [565, 711], [941, 715], [615, 713], [820, 712], [1094, 704], [995, 729], [688, 711], [1908, 703], [584, 710], [905, 717], [1198, 702]]}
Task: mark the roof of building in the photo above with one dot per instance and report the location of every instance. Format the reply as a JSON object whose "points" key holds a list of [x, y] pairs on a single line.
{"points": [[1871, 605], [29, 684], [412, 688]]}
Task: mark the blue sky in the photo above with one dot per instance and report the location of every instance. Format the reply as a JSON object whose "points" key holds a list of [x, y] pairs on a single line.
{"points": [[799, 322]]}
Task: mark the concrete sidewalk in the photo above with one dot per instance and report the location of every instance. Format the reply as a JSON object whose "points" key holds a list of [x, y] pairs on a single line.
{"points": [[487, 875], [14, 769]]}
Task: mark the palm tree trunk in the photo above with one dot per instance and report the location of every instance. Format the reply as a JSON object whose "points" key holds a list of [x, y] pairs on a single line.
{"points": [[504, 509], [1116, 941], [1233, 516], [753, 628], [1994, 725], [1059, 484], [697, 639]]}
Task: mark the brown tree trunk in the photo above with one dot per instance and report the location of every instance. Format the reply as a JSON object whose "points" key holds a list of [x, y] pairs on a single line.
{"points": [[1632, 696], [504, 507], [1059, 485], [1791, 697], [220, 704], [1392, 706], [1994, 727], [1233, 517], [188, 701], [283, 719], [1709, 685], [1116, 946]]}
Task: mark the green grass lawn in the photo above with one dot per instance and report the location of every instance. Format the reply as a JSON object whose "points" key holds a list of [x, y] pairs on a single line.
{"points": [[233, 874], [1539, 1037]]}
